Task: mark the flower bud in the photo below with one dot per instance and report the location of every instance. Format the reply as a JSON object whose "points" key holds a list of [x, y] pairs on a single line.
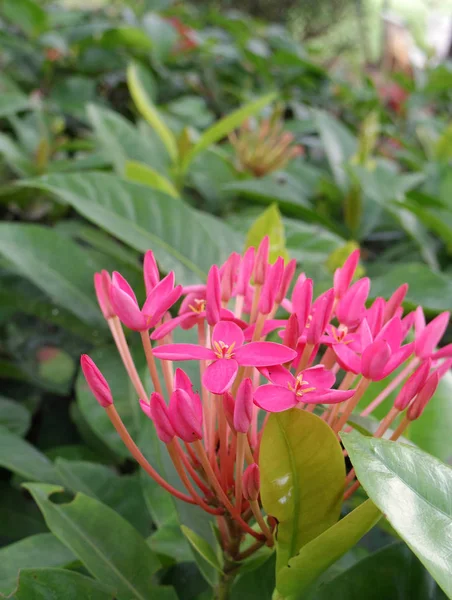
{"points": [[375, 315], [243, 410], [374, 359], [96, 381], [102, 285], [271, 287], [261, 262], [344, 275], [321, 314], [182, 381], [352, 306], [158, 412], [150, 272], [412, 385], [183, 417], [228, 407], [302, 300], [245, 271], [251, 482], [125, 304], [213, 296], [428, 339], [228, 274], [286, 279], [292, 332], [395, 301], [416, 409]]}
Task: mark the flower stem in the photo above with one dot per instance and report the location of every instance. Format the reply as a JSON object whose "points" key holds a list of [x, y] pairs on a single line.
{"points": [[151, 361], [261, 522]]}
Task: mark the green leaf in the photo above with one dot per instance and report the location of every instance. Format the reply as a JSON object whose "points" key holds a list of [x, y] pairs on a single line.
{"points": [[12, 103], [120, 140], [255, 585], [432, 432], [443, 147], [27, 15], [202, 547], [320, 553], [393, 572], [22, 458], [338, 143], [269, 223], [47, 584], [56, 265], [42, 550], [431, 290], [149, 111], [109, 362], [225, 126], [141, 173], [122, 493], [14, 416], [19, 516], [302, 478], [183, 240], [169, 541], [413, 490], [109, 547]]}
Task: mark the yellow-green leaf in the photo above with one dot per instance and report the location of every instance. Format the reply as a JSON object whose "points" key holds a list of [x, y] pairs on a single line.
{"points": [[149, 111], [224, 127], [141, 173], [302, 479], [269, 223]]}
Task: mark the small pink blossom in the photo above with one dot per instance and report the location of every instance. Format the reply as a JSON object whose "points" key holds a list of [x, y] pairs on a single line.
{"points": [[96, 381]]}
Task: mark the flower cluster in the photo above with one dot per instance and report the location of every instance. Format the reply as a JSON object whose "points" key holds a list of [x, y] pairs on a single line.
{"points": [[328, 351]]}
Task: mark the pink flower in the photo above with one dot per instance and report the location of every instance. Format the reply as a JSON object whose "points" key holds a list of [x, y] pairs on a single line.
{"points": [[243, 408], [271, 286], [160, 299], [102, 285], [184, 416], [351, 308], [251, 482], [427, 337], [150, 272], [158, 412], [96, 381], [261, 261], [311, 386], [380, 356], [244, 272], [344, 275], [227, 353]]}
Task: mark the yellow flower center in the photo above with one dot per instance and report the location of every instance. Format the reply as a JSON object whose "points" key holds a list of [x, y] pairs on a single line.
{"points": [[222, 350]]}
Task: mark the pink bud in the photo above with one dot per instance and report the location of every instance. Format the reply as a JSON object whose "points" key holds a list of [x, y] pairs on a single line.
{"points": [[427, 341], [213, 296], [150, 272], [96, 381], [243, 410], [271, 286], [261, 262], [321, 314], [228, 275], [416, 409], [286, 280], [419, 321], [125, 304], [344, 275], [245, 271], [444, 352], [374, 359], [183, 417], [158, 412], [228, 407], [395, 301], [302, 300], [182, 381], [251, 482], [412, 385], [292, 332], [352, 306], [102, 285], [375, 316]]}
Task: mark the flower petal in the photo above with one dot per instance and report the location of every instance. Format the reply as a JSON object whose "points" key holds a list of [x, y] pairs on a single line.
{"points": [[229, 333], [220, 375], [264, 354], [183, 352], [278, 375], [164, 305], [347, 359], [127, 309], [274, 398], [327, 397], [119, 281], [319, 377], [162, 289], [168, 327]]}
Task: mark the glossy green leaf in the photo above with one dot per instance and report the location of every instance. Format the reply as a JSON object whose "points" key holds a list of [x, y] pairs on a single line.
{"points": [[141, 173], [149, 111], [14, 416], [338, 143], [302, 478], [202, 547], [25, 14], [20, 457], [56, 265], [122, 493], [391, 573], [168, 540], [109, 547], [255, 585], [431, 290], [41, 550], [432, 431], [413, 490], [126, 401], [269, 223], [225, 126], [143, 219], [47, 584], [19, 515], [320, 553]]}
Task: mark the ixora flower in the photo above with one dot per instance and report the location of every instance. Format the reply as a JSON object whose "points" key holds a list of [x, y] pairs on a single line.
{"points": [[331, 349]]}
